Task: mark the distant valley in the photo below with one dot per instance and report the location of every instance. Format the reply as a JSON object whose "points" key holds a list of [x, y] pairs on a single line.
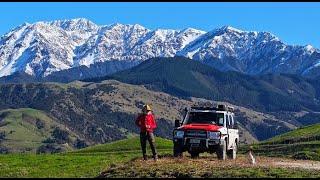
{"points": [[103, 110]]}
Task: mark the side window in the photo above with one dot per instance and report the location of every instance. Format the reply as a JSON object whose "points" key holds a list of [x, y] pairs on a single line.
{"points": [[221, 119], [232, 122], [228, 121], [235, 123]]}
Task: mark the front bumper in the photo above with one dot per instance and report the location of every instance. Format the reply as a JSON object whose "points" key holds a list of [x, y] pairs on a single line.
{"points": [[205, 145]]}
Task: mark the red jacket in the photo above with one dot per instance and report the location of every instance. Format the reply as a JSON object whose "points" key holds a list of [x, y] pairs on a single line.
{"points": [[144, 120]]}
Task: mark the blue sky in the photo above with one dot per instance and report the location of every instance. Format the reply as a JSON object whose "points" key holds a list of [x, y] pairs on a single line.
{"points": [[294, 23]]}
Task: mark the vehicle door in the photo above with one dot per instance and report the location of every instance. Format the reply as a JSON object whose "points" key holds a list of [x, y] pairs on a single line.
{"points": [[233, 132]]}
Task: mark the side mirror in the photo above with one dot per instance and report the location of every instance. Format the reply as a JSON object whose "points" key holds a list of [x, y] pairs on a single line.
{"points": [[177, 123]]}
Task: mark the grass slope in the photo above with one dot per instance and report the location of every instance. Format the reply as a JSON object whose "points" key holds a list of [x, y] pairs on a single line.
{"points": [[88, 162], [123, 159], [57, 165], [131, 144], [302, 143], [22, 129]]}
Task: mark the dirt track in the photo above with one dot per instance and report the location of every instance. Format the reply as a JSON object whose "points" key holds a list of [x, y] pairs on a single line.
{"points": [[260, 161], [245, 162], [212, 167], [298, 164], [280, 162]]}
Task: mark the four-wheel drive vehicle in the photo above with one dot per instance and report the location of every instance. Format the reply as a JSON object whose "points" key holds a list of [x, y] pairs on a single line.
{"points": [[207, 129]]}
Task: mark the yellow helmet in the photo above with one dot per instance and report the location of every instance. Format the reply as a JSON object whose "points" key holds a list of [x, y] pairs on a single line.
{"points": [[147, 107]]}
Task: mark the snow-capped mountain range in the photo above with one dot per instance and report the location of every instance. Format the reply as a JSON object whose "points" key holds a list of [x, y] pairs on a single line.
{"points": [[42, 48]]}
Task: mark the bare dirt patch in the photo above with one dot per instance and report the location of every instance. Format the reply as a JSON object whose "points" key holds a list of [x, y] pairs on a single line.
{"points": [[212, 167]]}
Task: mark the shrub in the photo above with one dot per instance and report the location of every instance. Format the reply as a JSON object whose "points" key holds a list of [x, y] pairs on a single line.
{"points": [[306, 155], [60, 136], [49, 148], [2, 135], [79, 143], [39, 124]]}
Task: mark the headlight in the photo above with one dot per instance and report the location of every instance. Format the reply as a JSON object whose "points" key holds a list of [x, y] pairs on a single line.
{"points": [[214, 135], [178, 134]]}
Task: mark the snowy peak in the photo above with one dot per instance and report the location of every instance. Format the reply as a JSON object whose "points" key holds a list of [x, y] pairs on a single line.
{"points": [[42, 48], [188, 35], [250, 52], [310, 49], [79, 24], [37, 49], [190, 32], [133, 42], [228, 29]]}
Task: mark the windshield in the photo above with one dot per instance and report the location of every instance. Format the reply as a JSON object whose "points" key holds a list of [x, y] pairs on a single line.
{"points": [[205, 117]]}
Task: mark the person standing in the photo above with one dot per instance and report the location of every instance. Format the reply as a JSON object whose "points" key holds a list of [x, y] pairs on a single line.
{"points": [[147, 124]]}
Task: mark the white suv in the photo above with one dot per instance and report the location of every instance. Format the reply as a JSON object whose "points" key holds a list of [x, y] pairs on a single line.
{"points": [[207, 129]]}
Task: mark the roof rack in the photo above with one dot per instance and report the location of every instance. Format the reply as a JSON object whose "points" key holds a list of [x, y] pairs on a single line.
{"points": [[225, 107], [220, 107], [203, 108]]}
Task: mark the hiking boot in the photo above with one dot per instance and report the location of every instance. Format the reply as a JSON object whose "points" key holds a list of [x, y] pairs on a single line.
{"points": [[145, 157], [155, 158]]}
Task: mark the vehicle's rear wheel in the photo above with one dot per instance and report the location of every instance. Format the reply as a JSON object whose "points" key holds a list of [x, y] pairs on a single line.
{"points": [[222, 151], [194, 154], [177, 150], [232, 154]]}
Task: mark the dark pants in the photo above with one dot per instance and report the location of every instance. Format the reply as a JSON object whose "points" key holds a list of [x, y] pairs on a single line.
{"points": [[144, 136]]}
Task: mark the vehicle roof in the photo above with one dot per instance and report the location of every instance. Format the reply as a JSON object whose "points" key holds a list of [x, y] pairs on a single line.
{"points": [[215, 111]]}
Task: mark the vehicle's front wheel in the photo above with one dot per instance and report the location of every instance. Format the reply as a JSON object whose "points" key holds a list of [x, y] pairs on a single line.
{"points": [[222, 151], [177, 150]]}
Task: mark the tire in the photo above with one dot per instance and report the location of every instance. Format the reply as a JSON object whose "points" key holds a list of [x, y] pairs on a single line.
{"points": [[222, 151], [232, 153], [177, 152], [194, 154]]}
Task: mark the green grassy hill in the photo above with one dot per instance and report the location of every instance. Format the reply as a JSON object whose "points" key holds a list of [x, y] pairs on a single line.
{"points": [[87, 162], [25, 129], [131, 144], [302, 143], [123, 159]]}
